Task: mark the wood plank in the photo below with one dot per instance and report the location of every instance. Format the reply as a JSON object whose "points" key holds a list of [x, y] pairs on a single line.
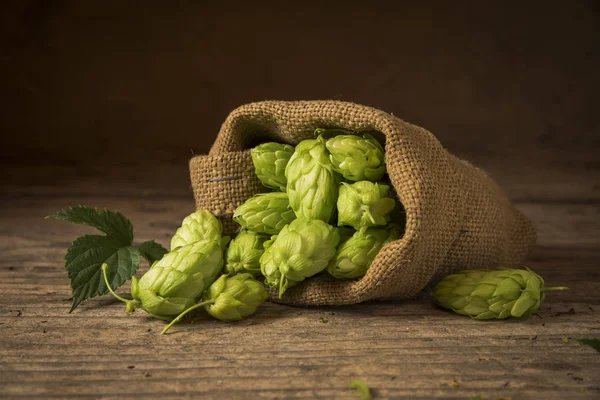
{"points": [[402, 349], [290, 346]]}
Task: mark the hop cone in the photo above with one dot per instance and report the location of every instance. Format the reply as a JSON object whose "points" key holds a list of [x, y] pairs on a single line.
{"points": [[244, 253], [311, 181], [364, 204], [265, 213], [234, 297], [355, 255], [270, 160], [175, 282], [201, 225], [302, 249], [357, 158], [269, 242], [487, 294]]}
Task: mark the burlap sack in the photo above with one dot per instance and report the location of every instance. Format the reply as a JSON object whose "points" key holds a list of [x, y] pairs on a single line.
{"points": [[456, 216]]}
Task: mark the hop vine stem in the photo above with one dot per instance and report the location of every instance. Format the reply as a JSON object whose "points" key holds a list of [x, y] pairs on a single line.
{"points": [[130, 304], [180, 316], [555, 288]]}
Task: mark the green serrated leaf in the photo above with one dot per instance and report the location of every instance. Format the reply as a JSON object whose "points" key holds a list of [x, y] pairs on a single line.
{"points": [[593, 343], [152, 251], [86, 254], [84, 261], [112, 223]]}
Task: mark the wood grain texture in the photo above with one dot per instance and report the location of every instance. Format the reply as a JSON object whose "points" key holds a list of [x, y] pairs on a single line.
{"points": [[402, 349]]}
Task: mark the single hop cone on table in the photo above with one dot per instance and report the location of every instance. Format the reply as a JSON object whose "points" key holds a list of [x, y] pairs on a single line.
{"points": [[492, 294], [312, 184], [243, 253], [302, 249], [265, 213], [270, 160], [175, 282], [364, 204], [355, 255], [198, 226], [357, 158]]}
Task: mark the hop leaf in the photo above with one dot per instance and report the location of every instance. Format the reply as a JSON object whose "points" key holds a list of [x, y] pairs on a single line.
{"points": [[86, 254], [364, 204], [355, 255], [357, 158], [270, 160], [244, 253], [234, 297], [302, 249], [265, 213], [311, 181], [200, 225], [175, 282], [489, 294]]}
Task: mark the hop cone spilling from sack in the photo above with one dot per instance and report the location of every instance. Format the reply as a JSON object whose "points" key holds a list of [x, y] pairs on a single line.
{"points": [[270, 160], [301, 250], [492, 294], [312, 184], [265, 213], [357, 158], [201, 225], [364, 204], [355, 255]]}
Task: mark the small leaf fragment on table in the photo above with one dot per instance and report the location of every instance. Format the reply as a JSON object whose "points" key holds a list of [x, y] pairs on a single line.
{"points": [[593, 343], [455, 383], [565, 340], [323, 320], [362, 388]]}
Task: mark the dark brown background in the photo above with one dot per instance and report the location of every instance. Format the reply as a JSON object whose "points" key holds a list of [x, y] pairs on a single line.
{"points": [[112, 82]]}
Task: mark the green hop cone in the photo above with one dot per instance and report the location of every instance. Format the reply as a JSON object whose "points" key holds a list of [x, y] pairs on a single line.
{"points": [[355, 255], [229, 298], [175, 282], [302, 249], [270, 160], [269, 242], [244, 253], [234, 297], [364, 204], [200, 225], [311, 181], [265, 213], [357, 158], [492, 294]]}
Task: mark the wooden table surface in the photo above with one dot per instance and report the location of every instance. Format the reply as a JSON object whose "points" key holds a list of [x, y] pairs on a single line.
{"points": [[401, 349]]}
